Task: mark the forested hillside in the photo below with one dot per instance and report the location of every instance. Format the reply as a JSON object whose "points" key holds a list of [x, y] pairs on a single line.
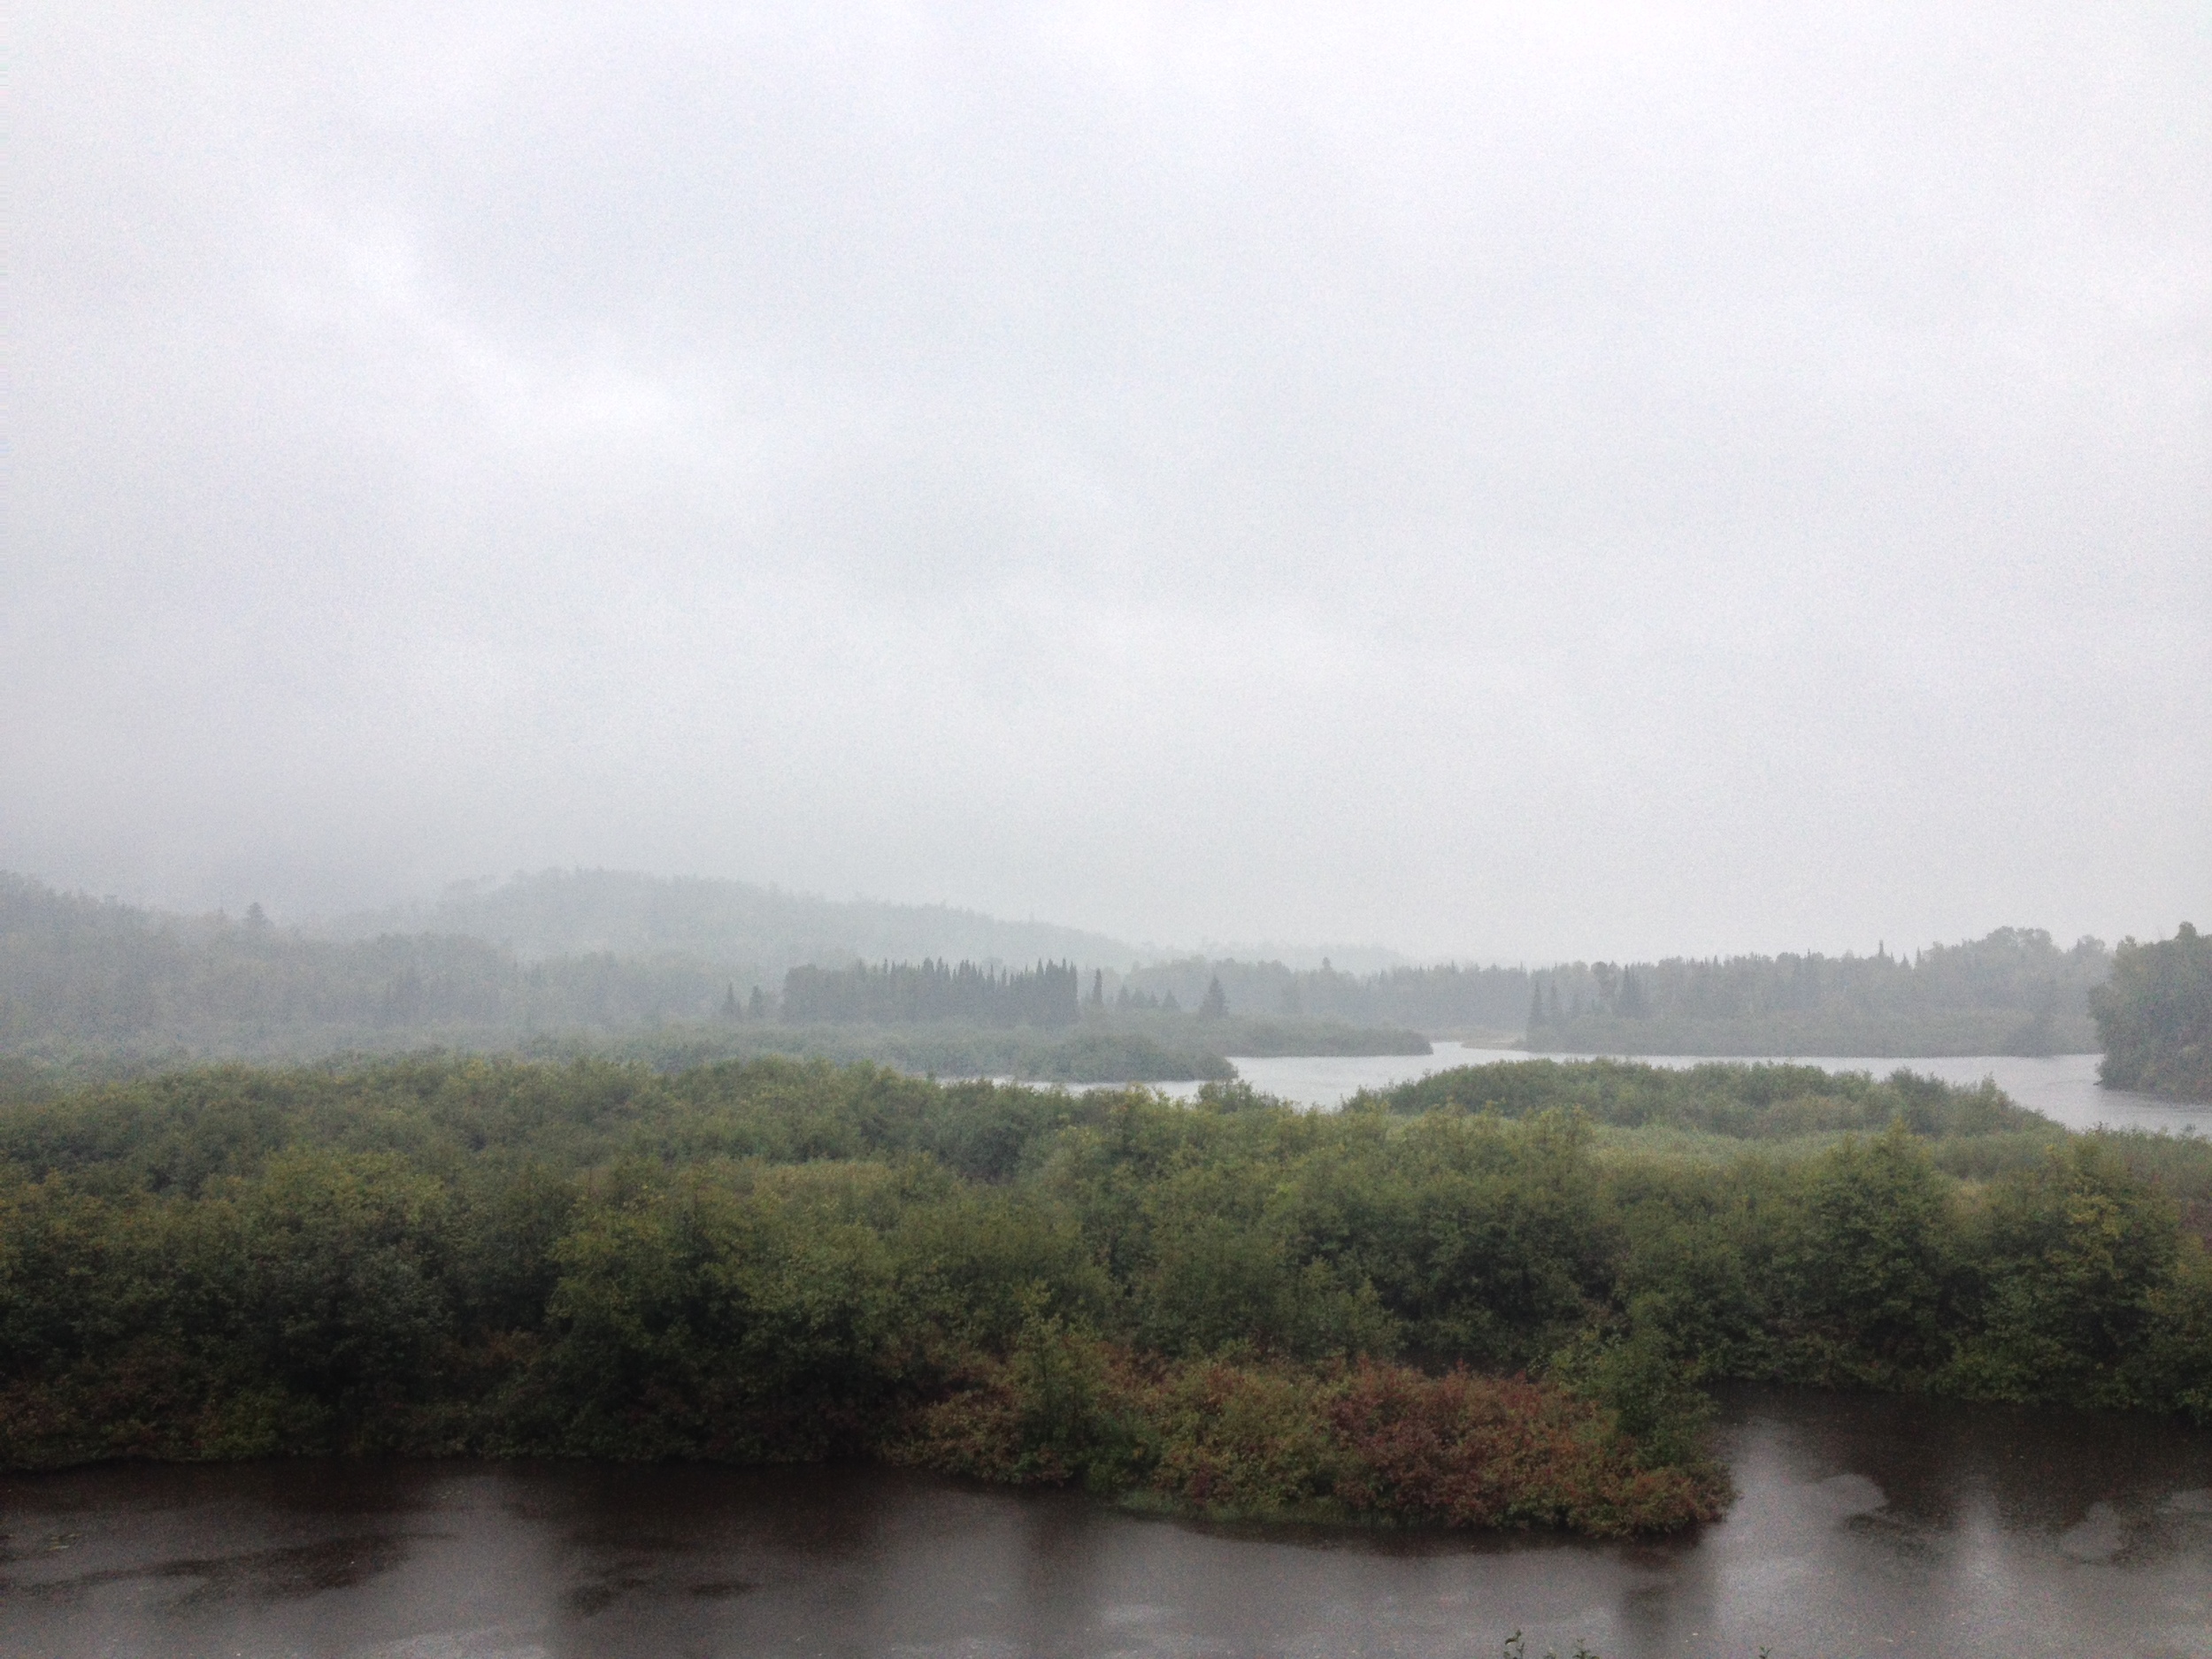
{"points": [[77, 972], [754, 934], [91, 988], [1487, 1299]]}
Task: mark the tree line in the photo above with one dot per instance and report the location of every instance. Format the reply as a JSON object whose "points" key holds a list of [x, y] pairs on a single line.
{"points": [[1440, 1000], [86, 977], [2013, 992], [896, 993]]}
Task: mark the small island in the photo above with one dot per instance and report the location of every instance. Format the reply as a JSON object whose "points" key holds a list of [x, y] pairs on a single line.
{"points": [[2154, 1017]]}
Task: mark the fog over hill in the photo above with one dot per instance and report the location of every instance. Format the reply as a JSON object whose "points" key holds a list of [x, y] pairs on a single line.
{"points": [[1524, 482], [603, 956], [733, 924], [624, 965]]}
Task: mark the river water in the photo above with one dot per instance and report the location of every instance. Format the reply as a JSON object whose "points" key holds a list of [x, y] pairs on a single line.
{"points": [[2063, 1087], [1864, 1526]]}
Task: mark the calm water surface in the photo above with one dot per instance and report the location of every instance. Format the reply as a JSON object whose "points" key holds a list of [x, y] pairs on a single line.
{"points": [[2063, 1087], [1863, 1527]]}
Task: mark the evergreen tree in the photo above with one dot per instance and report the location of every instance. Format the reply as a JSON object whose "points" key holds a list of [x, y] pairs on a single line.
{"points": [[1216, 1002], [1633, 1004], [2155, 1015]]}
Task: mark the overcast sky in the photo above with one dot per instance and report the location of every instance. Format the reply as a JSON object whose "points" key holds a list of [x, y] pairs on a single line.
{"points": [[1515, 483]]}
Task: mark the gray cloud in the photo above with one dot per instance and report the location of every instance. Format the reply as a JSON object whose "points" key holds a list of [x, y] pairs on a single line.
{"points": [[1518, 482]]}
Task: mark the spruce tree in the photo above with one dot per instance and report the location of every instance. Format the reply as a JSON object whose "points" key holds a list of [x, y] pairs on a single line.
{"points": [[1633, 1005]]}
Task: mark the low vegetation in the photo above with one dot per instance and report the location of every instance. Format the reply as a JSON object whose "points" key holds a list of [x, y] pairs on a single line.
{"points": [[1489, 1298]]}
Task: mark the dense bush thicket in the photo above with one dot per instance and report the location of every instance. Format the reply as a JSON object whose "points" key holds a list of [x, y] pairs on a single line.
{"points": [[2155, 1016], [1489, 1298], [1766, 1100], [1117, 1052]]}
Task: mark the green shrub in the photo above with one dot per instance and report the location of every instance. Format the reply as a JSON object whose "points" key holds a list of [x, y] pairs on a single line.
{"points": [[1226, 1304]]}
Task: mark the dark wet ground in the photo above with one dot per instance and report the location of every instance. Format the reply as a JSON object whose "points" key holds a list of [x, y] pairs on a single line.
{"points": [[1863, 1527]]}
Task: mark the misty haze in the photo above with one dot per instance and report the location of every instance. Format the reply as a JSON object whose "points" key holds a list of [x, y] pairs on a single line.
{"points": [[1107, 829]]}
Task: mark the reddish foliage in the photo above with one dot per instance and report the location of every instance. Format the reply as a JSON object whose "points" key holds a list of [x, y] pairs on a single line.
{"points": [[1384, 1441], [1463, 1451]]}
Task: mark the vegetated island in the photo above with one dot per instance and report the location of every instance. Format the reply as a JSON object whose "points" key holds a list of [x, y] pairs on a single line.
{"points": [[1488, 1298], [2155, 1016]]}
